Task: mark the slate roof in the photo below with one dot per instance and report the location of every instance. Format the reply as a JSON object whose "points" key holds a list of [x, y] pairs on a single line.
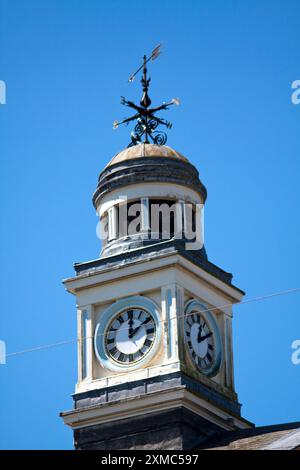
{"points": [[275, 437]]}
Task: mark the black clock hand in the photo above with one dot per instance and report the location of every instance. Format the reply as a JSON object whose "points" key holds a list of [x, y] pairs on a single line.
{"points": [[130, 323], [199, 333], [134, 332], [202, 338]]}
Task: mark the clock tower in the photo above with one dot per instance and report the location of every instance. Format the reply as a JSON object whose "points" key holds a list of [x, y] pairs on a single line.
{"points": [[155, 361]]}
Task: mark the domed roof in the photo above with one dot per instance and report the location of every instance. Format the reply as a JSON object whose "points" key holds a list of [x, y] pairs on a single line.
{"points": [[147, 163], [146, 150]]}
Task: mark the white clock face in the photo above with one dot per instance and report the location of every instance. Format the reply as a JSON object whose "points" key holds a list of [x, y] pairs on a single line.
{"points": [[130, 336], [200, 341]]}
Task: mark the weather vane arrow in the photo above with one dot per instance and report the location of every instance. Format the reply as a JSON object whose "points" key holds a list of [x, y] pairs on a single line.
{"points": [[147, 121], [154, 54]]}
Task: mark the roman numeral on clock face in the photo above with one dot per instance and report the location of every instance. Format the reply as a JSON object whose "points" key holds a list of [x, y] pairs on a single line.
{"points": [[122, 357], [113, 351], [130, 314]]}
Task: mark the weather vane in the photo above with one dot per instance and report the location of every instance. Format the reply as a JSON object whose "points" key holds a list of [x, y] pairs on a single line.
{"points": [[147, 122]]}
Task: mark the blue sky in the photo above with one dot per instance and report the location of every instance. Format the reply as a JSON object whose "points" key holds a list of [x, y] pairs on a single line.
{"points": [[65, 64]]}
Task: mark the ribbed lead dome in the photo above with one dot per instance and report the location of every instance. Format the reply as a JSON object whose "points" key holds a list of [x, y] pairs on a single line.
{"points": [[148, 163], [146, 150]]}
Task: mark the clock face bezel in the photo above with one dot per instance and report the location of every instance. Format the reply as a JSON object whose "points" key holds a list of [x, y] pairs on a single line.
{"points": [[132, 351], [194, 307], [105, 322]]}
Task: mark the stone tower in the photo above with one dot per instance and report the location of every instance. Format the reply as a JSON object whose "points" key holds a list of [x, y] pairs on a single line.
{"points": [[155, 360]]}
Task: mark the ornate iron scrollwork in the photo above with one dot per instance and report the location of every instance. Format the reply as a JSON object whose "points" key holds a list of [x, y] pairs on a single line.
{"points": [[147, 122]]}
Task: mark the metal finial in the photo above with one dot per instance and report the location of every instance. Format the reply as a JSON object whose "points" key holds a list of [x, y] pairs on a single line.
{"points": [[147, 122], [145, 101]]}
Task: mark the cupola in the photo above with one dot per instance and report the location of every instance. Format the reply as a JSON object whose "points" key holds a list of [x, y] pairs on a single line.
{"points": [[135, 182]]}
